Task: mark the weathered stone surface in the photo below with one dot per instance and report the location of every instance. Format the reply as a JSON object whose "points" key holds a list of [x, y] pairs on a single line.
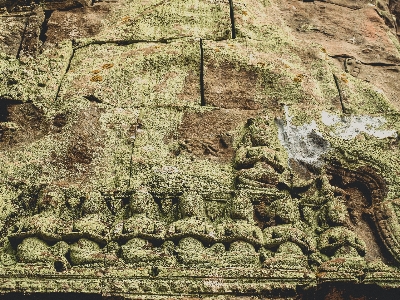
{"points": [[202, 148], [12, 30]]}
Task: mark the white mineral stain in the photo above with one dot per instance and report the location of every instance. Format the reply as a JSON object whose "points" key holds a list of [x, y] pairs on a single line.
{"points": [[303, 143], [329, 119], [348, 127], [306, 144]]}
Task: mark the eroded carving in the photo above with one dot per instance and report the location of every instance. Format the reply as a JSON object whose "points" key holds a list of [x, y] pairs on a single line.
{"points": [[46, 220], [259, 166], [90, 231], [35, 250], [143, 231], [289, 241], [304, 223]]}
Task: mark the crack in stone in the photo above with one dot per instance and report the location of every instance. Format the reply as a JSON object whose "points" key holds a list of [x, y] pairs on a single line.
{"points": [[232, 16], [375, 64], [340, 92], [44, 26], [203, 100], [77, 46], [65, 73], [340, 5], [23, 37]]}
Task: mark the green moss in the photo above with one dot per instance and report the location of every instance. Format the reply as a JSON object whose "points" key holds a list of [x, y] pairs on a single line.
{"points": [[134, 93], [379, 154], [152, 21], [35, 79], [143, 74], [321, 72], [274, 82], [395, 41], [256, 20], [362, 98]]}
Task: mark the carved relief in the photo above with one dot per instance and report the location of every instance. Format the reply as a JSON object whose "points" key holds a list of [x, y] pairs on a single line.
{"points": [[258, 165], [193, 222], [45, 219], [142, 230], [288, 242], [32, 236], [274, 219]]}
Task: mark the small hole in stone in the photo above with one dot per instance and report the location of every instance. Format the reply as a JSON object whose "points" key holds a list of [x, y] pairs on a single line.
{"points": [[332, 240], [59, 266], [155, 271]]}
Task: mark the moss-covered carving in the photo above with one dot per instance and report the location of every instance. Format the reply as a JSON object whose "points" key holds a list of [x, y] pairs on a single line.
{"points": [[151, 156], [288, 240], [34, 250]]}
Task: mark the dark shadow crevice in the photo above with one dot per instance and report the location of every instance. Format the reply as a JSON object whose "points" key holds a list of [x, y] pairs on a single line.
{"points": [[4, 108], [202, 97], [66, 71], [374, 64], [51, 296], [232, 16], [93, 98], [340, 93], [344, 291], [44, 27], [354, 7], [386, 256], [23, 37]]}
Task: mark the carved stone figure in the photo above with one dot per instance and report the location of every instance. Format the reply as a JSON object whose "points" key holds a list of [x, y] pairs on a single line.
{"points": [[259, 166], [86, 251], [191, 251], [261, 174], [93, 223], [91, 231], [193, 231], [142, 252], [144, 218], [240, 232], [35, 250], [340, 249], [339, 241], [46, 221], [241, 253], [194, 222], [235, 237], [143, 233], [240, 225], [332, 213], [262, 166], [31, 236], [288, 242]]}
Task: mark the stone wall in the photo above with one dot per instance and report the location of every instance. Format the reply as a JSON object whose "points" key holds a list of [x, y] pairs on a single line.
{"points": [[164, 149]]}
